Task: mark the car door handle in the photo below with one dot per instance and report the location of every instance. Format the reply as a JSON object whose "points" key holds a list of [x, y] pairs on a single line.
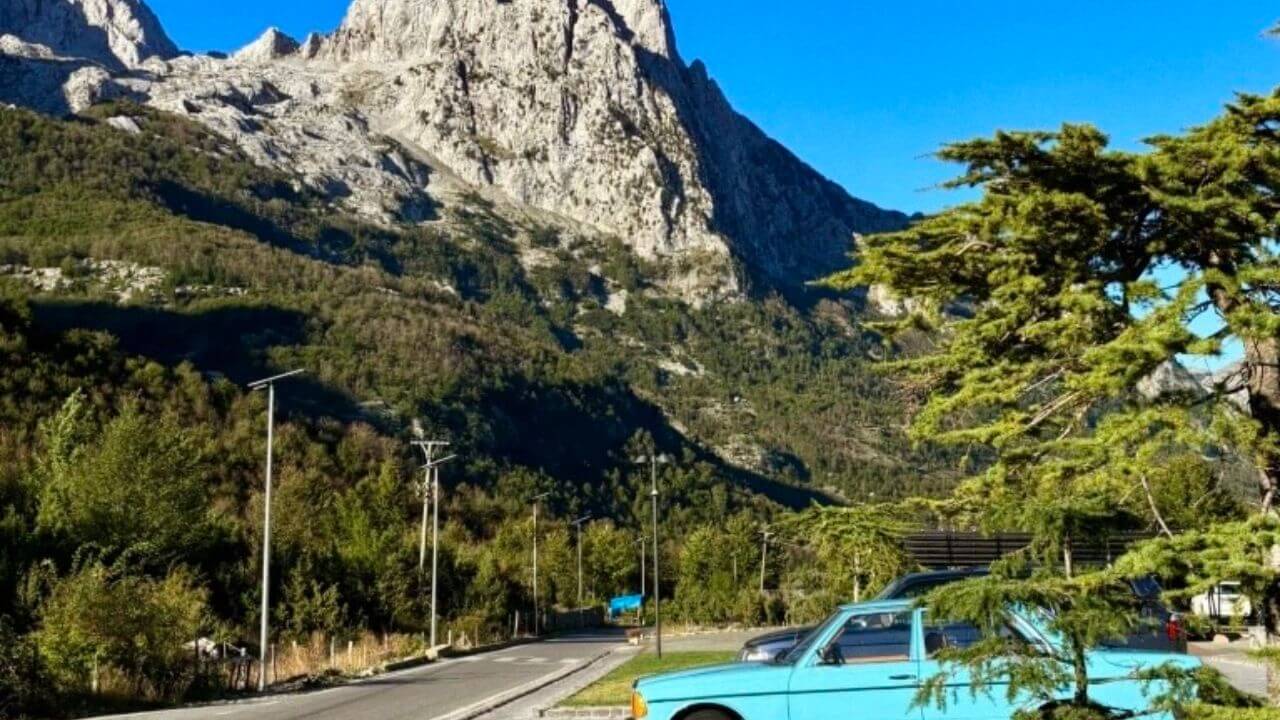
{"points": [[902, 677]]}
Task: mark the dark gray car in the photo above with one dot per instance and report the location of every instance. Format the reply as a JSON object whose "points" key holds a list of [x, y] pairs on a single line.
{"points": [[1162, 630]]}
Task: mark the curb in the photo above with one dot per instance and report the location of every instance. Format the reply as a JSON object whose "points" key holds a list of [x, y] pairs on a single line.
{"points": [[587, 713], [496, 702], [274, 692]]}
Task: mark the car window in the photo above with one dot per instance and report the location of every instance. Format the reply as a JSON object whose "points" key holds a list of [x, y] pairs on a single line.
{"points": [[874, 638], [921, 588], [809, 640], [949, 635]]}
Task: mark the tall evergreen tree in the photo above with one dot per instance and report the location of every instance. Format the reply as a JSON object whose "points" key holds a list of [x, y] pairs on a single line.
{"points": [[1054, 310]]}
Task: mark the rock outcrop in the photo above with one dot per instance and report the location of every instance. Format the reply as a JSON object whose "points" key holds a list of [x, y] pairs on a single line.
{"points": [[271, 45], [584, 108], [581, 110], [118, 34]]}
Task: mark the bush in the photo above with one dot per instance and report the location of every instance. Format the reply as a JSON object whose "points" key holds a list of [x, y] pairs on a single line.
{"points": [[24, 687], [103, 617]]}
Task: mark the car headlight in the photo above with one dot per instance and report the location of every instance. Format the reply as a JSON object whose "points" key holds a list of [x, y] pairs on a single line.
{"points": [[639, 708], [755, 655]]}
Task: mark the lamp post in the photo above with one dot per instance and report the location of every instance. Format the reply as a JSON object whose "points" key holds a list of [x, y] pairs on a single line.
{"points": [[270, 385], [641, 541], [431, 493], [578, 524], [537, 620], [764, 555], [653, 460]]}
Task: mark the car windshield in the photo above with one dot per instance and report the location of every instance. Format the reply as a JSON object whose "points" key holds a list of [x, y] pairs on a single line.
{"points": [[791, 656], [1146, 588]]}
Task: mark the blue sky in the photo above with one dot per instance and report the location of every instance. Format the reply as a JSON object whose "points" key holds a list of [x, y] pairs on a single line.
{"points": [[864, 91]]}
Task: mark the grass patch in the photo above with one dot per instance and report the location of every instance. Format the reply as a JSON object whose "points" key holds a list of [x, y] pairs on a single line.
{"points": [[615, 688]]}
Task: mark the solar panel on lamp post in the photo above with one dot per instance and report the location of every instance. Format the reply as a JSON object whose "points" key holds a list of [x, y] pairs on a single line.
{"points": [[270, 385], [537, 619], [654, 460], [578, 524]]}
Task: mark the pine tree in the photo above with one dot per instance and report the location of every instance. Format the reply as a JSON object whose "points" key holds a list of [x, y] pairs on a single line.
{"points": [[1049, 305]]}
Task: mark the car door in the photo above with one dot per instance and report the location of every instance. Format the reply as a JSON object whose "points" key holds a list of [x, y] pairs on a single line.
{"points": [[866, 672], [960, 701]]}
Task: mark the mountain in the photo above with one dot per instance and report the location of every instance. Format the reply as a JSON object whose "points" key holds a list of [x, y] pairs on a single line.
{"points": [[582, 111], [117, 34], [553, 168], [525, 227]]}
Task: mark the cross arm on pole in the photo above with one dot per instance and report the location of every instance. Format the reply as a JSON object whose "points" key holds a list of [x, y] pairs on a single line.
{"points": [[259, 384]]}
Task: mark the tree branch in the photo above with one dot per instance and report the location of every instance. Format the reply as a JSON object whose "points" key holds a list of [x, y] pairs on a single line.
{"points": [[1155, 510]]}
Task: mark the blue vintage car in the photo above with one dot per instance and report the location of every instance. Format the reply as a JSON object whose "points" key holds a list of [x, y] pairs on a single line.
{"points": [[866, 662]]}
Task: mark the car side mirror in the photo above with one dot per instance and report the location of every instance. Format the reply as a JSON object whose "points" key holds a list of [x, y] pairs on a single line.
{"points": [[831, 655]]}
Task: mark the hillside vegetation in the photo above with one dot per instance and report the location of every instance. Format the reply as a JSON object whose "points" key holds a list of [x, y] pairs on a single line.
{"points": [[147, 277]]}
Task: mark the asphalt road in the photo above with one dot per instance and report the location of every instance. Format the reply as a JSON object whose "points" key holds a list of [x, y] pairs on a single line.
{"points": [[442, 691]]}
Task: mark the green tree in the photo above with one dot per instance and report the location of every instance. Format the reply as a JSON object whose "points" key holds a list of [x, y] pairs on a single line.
{"points": [[102, 617], [1081, 612], [1047, 306], [858, 549], [134, 484], [705, 591], [611, 560]]}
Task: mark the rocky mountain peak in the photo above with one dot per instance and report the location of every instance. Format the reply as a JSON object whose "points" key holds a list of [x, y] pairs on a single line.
{"points": [[407, 29], [579, 111], [271, 45], [117, 34]]}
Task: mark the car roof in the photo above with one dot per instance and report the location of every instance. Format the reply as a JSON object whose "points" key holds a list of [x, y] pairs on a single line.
{"points": [[880, 606]]}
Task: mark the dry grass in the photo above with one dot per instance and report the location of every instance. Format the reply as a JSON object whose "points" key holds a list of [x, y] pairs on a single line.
{"points": [[320, 655]]}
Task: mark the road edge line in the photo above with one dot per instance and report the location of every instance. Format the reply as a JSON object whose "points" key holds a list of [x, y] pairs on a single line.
{"points": [[501, 700]]}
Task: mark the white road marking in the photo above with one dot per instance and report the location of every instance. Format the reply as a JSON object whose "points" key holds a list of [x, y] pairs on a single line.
{"points": [[570, 661], [505, 659], [535, 660]]}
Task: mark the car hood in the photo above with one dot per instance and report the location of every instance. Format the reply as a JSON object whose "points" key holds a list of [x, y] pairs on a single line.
{"points": [[716, 680], [792, 635]]}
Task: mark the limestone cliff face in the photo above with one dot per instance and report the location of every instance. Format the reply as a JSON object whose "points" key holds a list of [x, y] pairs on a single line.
{"points": [[581, 110], [118, 34], [584, 108]]}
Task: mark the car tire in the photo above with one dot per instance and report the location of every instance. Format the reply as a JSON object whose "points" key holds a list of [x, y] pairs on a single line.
{"points": [[708, 714]]}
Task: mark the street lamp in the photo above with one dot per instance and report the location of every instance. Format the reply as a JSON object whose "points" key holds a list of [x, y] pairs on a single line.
{"points": [[431, 493], [653, 461], [270, 385], [764, 555], [578, 524], [537, 620], [641, 541]]}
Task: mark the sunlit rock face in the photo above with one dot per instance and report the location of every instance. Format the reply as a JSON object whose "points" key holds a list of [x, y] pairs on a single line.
{"points": [[580, 110], [118, 34]]}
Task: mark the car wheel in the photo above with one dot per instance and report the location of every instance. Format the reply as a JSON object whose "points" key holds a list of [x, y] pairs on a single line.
{"points": [[708, 714]]}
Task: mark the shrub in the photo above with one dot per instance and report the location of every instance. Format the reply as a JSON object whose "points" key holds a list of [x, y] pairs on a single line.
{"points": [[102, 617]]}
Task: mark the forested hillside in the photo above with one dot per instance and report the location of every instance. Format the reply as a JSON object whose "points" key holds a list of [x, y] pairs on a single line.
{"points": [[149, 275]]}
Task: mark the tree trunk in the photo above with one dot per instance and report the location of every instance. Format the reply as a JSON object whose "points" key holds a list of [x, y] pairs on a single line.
{"points": [[1081, 670], [1262, 381], [1262, 362], [1270, 613]]}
